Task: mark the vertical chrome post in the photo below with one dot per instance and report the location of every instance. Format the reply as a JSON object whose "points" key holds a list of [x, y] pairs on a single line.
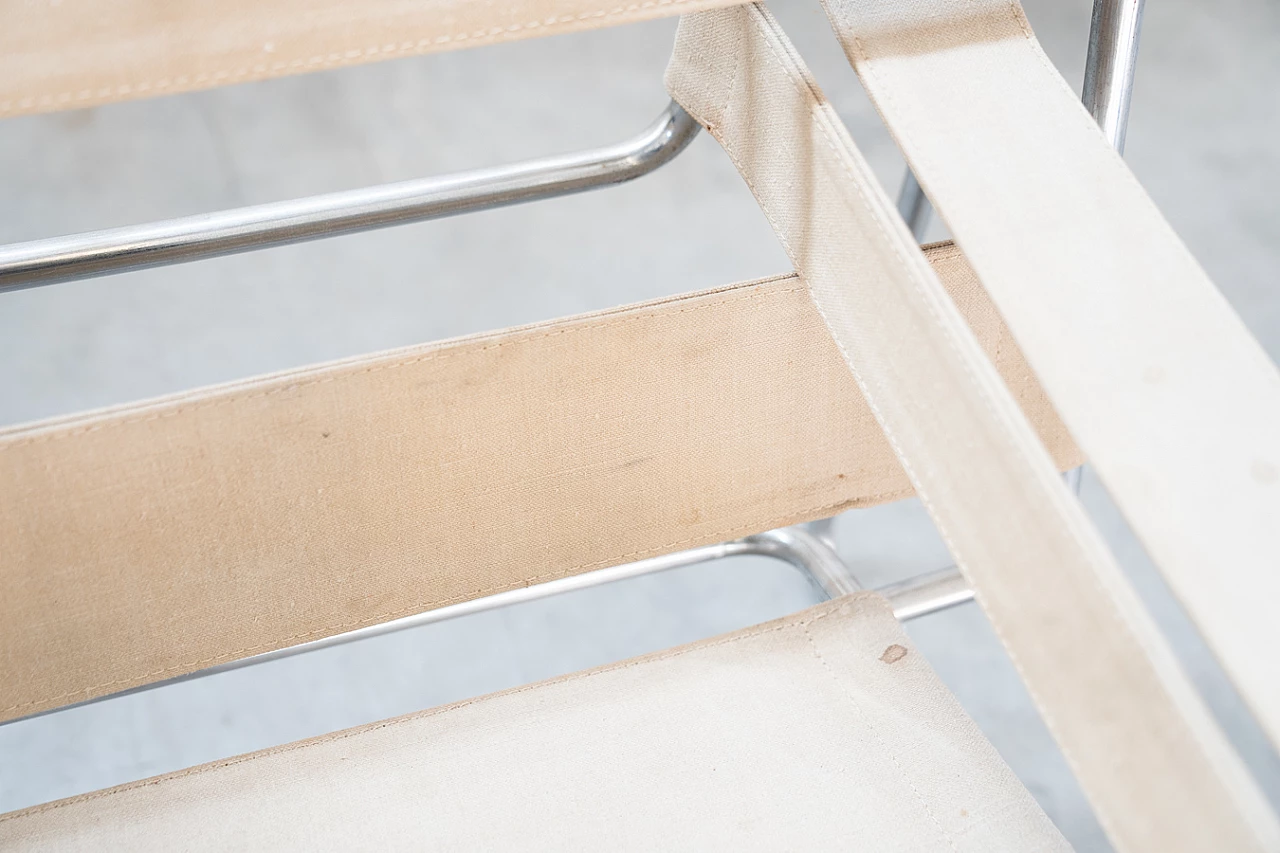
{"points": [[1108, 86], [1108, 89], [1108, 70]]}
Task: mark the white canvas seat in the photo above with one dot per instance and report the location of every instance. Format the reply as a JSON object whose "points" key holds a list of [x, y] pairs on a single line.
{"points": [[821, 731]]}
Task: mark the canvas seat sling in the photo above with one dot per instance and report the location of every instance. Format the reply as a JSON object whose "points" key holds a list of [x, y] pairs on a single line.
{"points": [[1175, 405], [825, 730], [1154, 764]]}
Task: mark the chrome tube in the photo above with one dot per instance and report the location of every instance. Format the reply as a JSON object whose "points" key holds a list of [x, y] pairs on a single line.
{"points": [[207, 235], [810, 553], [928, 593], [1108, 88], [795, 546], [535, 592], [1108, 70]]}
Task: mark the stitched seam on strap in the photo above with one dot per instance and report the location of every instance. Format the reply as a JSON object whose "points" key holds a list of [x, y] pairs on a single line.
{"points": [[437, 355], [843, 606], [758, 16], [1112, 608], [190, 666], [1050, 719], [892, 437], [335, 59], [806, 92]]}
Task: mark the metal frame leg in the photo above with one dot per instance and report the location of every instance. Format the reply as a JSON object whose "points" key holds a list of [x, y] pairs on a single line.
{"points": [[1108, 87]]}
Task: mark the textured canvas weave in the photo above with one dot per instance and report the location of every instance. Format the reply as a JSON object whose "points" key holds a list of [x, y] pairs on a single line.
{"points": [[1175, 404], [56, 55], [822, 731], [160, 538], [1157, 768]]}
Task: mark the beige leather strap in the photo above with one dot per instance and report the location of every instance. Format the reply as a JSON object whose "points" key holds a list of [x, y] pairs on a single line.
{"points": [[56, 55], [1176, 406], [822, 731], [1157, 769], [156, 539]]}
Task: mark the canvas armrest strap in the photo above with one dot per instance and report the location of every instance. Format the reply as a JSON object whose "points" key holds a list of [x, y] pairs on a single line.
{"points": [[1175, 404]]}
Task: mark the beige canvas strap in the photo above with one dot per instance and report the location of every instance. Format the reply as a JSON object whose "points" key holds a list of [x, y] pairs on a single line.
{"points": [[1176, 406], [1158, 770], [57, 56], [160, 538], [822, 731]]}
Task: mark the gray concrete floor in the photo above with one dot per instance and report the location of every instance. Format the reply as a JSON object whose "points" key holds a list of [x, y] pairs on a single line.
{"points": [[1202, 140]]}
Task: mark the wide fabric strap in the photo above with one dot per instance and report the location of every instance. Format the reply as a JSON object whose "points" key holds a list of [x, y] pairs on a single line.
{"points": [[823, 731], [56, 56], [160, 538], [1153, 762], [1175, 404]]}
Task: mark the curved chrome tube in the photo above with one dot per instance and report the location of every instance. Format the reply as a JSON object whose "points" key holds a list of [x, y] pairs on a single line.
{"points": [[207, 235], [812, 554], [798, 547]]}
